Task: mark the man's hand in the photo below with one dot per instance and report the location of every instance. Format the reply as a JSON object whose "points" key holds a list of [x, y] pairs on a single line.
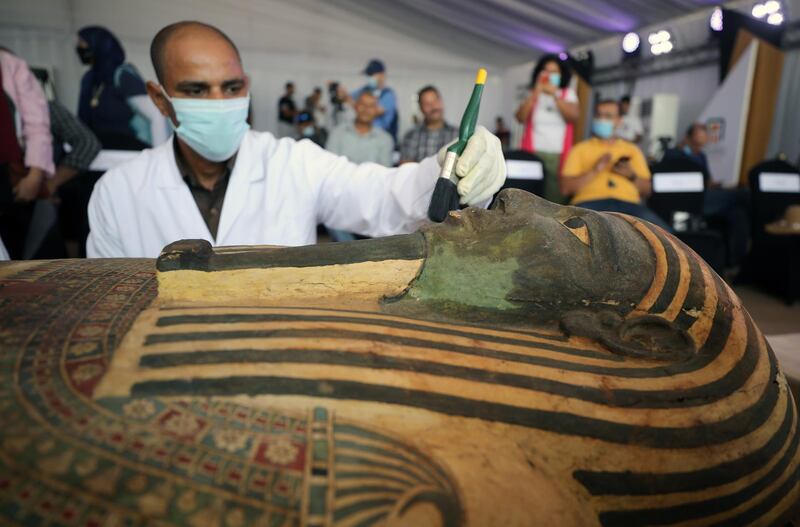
{"points": [[481, 169], [601, 165], [624, 169], [28, 187]]}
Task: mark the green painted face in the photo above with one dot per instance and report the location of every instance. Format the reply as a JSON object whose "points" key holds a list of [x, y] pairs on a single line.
{"points": [[527, 256]]}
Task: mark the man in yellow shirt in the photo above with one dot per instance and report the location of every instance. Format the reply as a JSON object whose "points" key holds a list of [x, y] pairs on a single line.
{"points": [[606, 173]]}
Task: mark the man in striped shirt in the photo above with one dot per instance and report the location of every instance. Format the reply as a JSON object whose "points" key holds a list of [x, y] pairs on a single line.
{"points": [[427, 138], [72, 184]]}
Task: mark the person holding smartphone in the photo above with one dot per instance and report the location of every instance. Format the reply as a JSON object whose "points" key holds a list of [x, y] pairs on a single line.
{"points": [[548, 113], [606, 173]]}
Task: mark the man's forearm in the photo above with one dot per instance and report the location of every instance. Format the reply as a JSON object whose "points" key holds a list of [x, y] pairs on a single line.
{"points": [[63, 174], [643, 185], [571, 184]]}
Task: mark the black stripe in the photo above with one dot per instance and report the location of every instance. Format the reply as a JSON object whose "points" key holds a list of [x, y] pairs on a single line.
{"points": [[346, 474], [714, 345], [521, 331], [767, 504], [696, 296], [387, 454], [559, 422], [721, 326], [343, 493], [642, 484], [435, 471], [236, 318], [365, 465], [678, 398], [673, 275], [193, 338], [197, 255], [372, 520], [344, 512], [705, 508]]}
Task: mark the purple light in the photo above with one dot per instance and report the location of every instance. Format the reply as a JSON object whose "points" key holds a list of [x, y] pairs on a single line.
{"points": [[562, 56]]}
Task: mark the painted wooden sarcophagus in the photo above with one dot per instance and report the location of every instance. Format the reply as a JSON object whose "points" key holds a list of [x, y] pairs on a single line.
{"points": [[526, 365]]}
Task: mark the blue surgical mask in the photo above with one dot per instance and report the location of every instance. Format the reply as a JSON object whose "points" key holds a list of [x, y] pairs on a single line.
{"points": [[372, 82], [213, 128], [603, 128], [308, 131], [555, 79]]}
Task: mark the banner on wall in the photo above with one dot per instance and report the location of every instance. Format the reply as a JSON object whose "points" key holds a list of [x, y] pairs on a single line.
{"points": [[726, 119]]}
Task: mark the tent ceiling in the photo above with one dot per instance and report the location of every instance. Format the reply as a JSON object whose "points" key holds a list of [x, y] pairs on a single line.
{"points": [[514, 31]]}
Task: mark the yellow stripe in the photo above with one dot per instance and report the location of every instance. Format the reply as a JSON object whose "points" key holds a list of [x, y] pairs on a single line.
{"points": [[684, 280], [660, 275]]}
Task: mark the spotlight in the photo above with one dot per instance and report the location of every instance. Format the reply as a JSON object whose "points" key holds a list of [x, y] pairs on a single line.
{"points": [[630, 43], [660, 42], [716, 19], [775, 19], [563, 56], [771, 10]]}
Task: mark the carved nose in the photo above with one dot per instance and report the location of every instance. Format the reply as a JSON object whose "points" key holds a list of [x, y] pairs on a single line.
{"points": [[511, 200]]}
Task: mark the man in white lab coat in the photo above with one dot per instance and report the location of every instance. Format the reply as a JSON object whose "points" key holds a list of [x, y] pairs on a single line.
{"points": [[216, 180]]}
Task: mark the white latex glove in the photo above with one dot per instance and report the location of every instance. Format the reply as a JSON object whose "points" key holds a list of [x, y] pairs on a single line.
{"points": [[481, 169]]}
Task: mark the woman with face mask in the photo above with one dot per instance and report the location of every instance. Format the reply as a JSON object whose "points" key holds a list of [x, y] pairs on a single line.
{"points": [[113, 100], [547, 114]]}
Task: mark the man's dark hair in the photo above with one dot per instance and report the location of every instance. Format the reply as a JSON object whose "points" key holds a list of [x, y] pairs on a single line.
{"points": [[603, 102], [159, 43], [625, 99], [425, 90], [288, 85], [693, 127]]}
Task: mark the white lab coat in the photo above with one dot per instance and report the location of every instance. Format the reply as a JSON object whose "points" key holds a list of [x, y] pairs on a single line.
{"points": [[278, 192], [3, 252]]}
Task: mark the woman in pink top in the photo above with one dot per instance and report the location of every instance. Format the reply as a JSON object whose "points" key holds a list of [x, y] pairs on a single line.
{"points": [[548, 114], [26, 150], [31, 118]]}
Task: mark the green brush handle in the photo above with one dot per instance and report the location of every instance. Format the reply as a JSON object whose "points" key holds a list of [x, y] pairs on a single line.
{"points": [[445, 193], [468, 121]]}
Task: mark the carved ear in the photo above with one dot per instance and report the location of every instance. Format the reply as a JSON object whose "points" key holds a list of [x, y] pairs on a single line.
{"points": [[644, 337]]}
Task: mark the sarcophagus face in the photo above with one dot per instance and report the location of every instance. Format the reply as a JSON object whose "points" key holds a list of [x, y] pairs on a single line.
{"points": [[530, 364]]}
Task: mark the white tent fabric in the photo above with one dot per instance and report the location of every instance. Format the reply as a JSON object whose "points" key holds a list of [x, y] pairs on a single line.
{"points": [[307, 41], [785, 137], [421, 41]]}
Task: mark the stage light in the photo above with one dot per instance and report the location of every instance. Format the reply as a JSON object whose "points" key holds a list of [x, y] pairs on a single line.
{"points": [[630, 42], [716, 19], [660, 42], [775, 19], [563, 56], [772, 10]]}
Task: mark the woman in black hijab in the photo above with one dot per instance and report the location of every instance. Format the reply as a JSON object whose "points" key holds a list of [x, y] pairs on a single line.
{"points": [[113, 99]]}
